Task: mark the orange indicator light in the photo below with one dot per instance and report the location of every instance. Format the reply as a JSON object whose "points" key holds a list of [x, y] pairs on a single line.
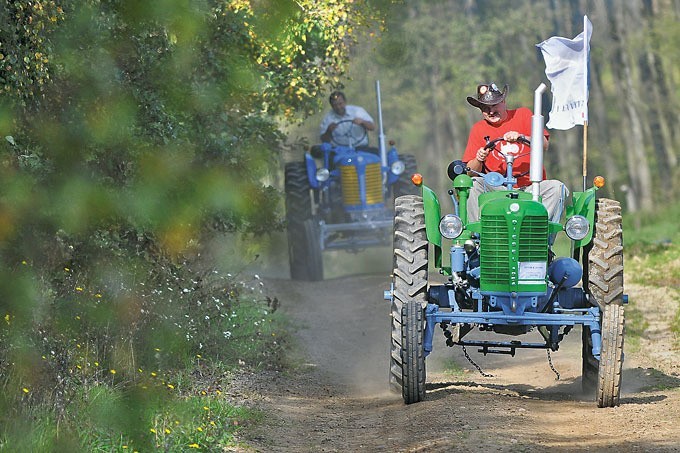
{"points": [[417, 179], [598, 181]]}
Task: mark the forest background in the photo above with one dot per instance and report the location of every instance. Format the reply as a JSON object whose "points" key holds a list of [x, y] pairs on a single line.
{"points": [[135, 135], [435, 53]]}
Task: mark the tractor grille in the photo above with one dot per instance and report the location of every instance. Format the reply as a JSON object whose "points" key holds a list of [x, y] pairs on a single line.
{"points": [[495, 266], [352, 182], [504, 245], [533, 239]]}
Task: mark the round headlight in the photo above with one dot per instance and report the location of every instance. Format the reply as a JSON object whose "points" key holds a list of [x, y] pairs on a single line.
{"points": [[397, 167], [577, 227], [450, 226], [322, 174]]}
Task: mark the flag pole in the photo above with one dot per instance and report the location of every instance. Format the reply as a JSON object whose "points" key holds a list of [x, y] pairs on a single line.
{"points": [[585, 154], [585, 107]]}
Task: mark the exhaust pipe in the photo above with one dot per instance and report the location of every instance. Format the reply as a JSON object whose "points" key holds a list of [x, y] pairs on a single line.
{"points": [[536, 166]]}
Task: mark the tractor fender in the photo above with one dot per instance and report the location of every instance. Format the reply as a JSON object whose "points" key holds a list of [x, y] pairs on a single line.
{"points": [[583, 203], [432, 216], [311, 171]]}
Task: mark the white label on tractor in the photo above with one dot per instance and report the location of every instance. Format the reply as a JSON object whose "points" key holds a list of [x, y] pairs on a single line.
{"points": [[532, 270]]}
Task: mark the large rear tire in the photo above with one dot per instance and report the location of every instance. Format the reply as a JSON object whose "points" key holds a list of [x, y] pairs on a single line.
{"points": [[298, 210], [409, 282], [605, 285]]}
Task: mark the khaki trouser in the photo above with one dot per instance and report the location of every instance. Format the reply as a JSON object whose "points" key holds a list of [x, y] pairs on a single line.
{"points": [[552, 192]]}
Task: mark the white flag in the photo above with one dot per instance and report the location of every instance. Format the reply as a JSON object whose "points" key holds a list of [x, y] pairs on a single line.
{"points": [[566, 65]]}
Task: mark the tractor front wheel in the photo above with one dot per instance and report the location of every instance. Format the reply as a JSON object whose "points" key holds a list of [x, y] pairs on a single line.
{"points": [[413, 354], [409, 283], [605, 284]]}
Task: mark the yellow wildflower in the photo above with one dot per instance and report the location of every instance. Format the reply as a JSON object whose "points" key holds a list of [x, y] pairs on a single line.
{"points": [[113, 371], [78, 288], [193, 446], [167, 431], [153, 430], [25, 390]]}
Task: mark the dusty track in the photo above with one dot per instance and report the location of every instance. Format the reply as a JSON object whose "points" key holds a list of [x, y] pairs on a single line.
{"points": [[338, 400]]}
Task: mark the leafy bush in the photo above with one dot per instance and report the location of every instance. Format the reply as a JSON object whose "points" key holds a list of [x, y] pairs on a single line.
{"points": [[132, 132]]}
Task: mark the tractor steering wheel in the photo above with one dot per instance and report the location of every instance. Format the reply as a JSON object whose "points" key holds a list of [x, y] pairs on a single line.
{"points": [[346, 133], [491, 145]]}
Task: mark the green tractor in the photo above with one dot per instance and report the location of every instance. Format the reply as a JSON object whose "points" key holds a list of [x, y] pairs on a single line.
{"points": [[503, 277]]}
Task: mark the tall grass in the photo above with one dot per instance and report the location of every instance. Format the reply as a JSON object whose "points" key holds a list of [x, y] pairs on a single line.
{"points": [[134, 359], [652, 254]]}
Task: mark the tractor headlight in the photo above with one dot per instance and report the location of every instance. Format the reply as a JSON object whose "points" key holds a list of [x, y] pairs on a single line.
{"points": [[322, 174], [450, 226], [577, 227], [397, 167]]}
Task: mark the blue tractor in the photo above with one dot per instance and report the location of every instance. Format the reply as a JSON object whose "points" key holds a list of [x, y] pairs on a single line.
{"points": [[503, 277], [342, 196]]}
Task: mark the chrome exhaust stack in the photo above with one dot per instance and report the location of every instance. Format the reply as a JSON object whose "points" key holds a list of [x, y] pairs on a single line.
{"points": [[536, 166]]}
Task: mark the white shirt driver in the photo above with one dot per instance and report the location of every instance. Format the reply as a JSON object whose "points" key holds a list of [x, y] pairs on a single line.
{"points": [[351, 112]]}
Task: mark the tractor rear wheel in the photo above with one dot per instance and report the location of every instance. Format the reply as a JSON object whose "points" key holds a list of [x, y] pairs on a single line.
{"points": [[298, 210], [605, 284], [409, 283]]}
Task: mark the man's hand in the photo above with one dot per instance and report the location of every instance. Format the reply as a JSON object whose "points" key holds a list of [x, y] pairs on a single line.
{"points": [[512, 136], [482, 153], [477, 164], [327, 136], [363, 123]]}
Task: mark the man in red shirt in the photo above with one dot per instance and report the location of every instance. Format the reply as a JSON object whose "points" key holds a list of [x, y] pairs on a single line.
{"points": [[511, 126]]}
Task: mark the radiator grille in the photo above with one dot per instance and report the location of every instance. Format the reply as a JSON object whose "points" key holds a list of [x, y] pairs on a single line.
{"points": [[351, 185], [504, 244], [494, 252]]}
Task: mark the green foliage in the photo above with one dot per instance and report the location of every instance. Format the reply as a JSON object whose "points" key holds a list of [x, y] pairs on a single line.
{"points": [[133, 132], [654, 231], [25, 47]]}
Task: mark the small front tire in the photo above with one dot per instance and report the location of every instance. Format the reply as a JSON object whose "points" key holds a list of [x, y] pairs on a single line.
{"points": [[409, 279], [412, 352]]}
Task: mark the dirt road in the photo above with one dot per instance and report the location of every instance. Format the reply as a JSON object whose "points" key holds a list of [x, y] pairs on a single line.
{"points": [[338, 399]]}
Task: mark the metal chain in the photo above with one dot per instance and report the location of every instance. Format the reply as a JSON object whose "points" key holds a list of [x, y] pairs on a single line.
{"points": [[552, 367], [474, 364]]}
